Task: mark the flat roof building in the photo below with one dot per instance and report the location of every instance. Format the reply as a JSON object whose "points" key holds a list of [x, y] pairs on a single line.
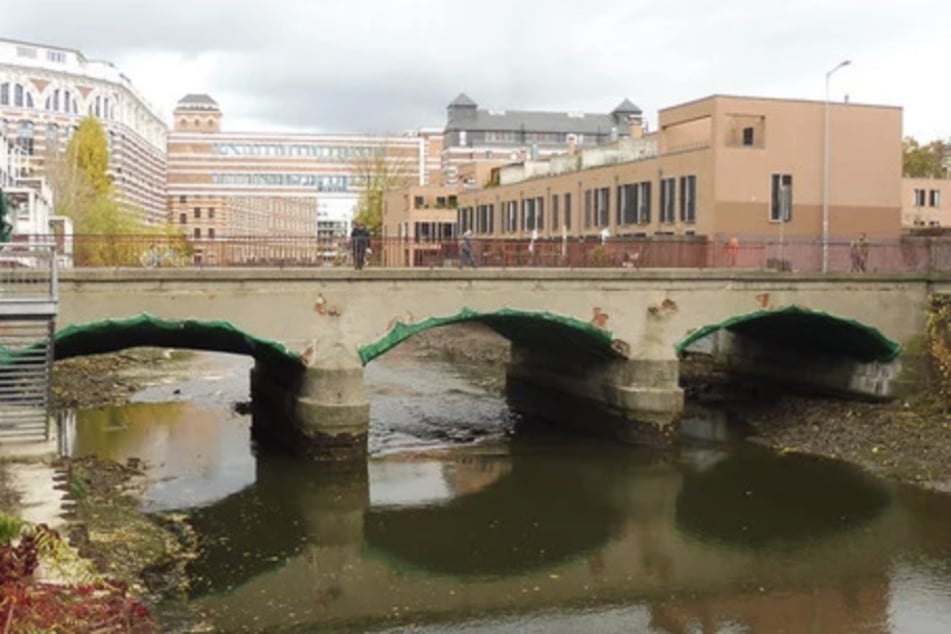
{"points": [[718, 167], [329, 171]]}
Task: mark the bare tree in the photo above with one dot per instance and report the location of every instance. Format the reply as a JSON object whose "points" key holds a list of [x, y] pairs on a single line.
{"points": [[377, 171]]}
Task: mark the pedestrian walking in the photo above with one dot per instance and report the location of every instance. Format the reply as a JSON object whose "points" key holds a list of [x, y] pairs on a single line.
{"points": [[360, 244], [465, 251]]}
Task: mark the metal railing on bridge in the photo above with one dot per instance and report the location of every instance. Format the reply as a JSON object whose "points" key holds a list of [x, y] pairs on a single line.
{"points": [[908, 254], [28, 299]]}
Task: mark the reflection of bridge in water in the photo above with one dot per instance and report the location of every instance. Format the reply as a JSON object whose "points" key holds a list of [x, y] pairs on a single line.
{"points": [[749, 538]]}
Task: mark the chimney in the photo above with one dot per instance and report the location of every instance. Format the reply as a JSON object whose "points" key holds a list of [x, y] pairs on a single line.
{"points": [[634, 127], [572, 145]]}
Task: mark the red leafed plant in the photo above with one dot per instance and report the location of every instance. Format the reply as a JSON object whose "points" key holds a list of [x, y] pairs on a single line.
{"points": [[28, 605]]}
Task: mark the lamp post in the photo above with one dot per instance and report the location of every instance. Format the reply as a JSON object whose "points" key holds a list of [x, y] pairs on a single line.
{"points": [[825, 171]]}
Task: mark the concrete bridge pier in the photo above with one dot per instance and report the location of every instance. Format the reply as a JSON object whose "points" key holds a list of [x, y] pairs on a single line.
{"points": [[807, 371], [632, 400], [321, 411]]}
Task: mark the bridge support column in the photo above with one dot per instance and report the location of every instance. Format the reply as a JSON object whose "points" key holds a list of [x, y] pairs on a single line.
{"points": [[806, 371], [321, 411], [631, 400]]}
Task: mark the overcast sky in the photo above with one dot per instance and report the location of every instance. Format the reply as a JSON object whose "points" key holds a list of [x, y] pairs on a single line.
{"points": [[391, 65]]}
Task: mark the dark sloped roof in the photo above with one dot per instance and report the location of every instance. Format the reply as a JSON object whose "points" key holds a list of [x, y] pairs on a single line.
{"points": [[196, 99], [626, 107], [462, 100], [535, 121]]}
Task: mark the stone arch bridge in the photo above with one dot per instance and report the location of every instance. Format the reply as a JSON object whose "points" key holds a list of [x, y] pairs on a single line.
{"points": [[583, 341]]}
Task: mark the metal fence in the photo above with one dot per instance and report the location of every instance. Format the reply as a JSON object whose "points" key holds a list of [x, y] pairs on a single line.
{"points": [[910, 254], [28, 295]]}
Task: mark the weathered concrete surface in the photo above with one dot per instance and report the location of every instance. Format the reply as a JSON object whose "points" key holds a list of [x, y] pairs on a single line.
{"points": [[649, 310], [631, 400], [813, 373], [329, 313]]}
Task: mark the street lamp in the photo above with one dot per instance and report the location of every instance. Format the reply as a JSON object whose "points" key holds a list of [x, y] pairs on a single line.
{"points": [[825, 172]]}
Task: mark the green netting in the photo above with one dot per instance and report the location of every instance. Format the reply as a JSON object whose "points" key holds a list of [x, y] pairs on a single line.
{"points": [[521, 327], [799, 328], [111, 335]]}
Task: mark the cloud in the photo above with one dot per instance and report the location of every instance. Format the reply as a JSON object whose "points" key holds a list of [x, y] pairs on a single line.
{"points": [[388, 65]]}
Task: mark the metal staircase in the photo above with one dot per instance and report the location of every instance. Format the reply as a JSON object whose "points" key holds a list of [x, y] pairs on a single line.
{"points": [[28, 301]]}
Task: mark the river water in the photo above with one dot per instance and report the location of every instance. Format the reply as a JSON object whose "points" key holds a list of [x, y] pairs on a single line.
{"points": [[469, 520]]}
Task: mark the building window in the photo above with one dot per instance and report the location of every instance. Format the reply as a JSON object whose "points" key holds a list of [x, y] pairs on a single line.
{"points": [[555, 224], [627, 204], [211, 233], [182, 219], [25, 137], [511, 217], [588, 205], [688, 199], [418, 202], [4, 94], [197, 212], [197, 233], [603, 206], [183, 199], [26, 51], [668, 189], [211, 213], [568, 211], [52, 136], [780, 208], [57, 57], [919, 197], [749, 137], [18, 99], [934, 198], [644, 202]]}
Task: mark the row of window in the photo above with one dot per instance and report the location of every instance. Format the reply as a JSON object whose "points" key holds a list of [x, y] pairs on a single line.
{"points": [[295, 150], [30, 52], [18, 96], [183, 217], [442, 202], [930, 196], [632, 207], [322, 182]]}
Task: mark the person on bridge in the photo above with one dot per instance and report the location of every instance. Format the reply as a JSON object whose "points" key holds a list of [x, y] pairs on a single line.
{"points": [[465, 251], [360, 243], [732, 250]]}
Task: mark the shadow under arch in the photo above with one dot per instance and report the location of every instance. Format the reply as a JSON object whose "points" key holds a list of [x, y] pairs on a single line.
{"points": [[527, 328], [111, 335], [502, 530], [755, 499], [802, 329]]}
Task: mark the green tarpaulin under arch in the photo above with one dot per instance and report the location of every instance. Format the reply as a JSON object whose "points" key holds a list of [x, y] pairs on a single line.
{"points": [[518, 326]]}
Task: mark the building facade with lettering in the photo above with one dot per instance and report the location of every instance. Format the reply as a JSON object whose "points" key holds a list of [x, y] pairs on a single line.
{"points": [[45, 91]]}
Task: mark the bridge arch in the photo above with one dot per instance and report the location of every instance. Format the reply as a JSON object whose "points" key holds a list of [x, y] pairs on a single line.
{"points": [[111, 335], [526, 328], [805, 330]]}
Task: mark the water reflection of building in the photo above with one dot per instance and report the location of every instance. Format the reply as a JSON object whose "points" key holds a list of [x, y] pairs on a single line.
{"points": [[861, 606]]}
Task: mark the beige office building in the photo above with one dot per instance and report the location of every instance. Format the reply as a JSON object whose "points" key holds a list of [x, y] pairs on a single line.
{"points": [[717, 167], [924, 203]]}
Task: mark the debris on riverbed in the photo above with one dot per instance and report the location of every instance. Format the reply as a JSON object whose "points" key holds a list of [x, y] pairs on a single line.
{"points": [[109, 379]]}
